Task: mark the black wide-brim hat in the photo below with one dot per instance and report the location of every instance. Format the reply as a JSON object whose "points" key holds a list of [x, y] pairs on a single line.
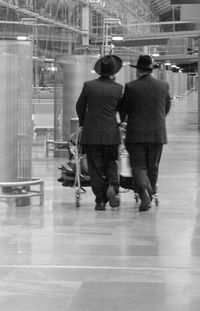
{"points": [[144, 62], [108, 65]]}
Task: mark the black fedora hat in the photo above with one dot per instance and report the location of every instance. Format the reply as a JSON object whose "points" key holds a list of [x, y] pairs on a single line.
{"points": [[144, 62], [108, 65]]}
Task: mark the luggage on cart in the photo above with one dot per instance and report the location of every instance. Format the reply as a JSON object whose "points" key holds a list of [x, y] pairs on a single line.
{"points": [[68, 176], [74, 173], [125, 172]]}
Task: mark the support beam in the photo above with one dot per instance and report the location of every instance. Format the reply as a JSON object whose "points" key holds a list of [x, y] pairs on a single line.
{"points": [[141, 42], [85, 23], [185, 1], [155, 38]]}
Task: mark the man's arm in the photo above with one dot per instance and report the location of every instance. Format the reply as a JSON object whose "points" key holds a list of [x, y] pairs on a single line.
{"points": [[168, 101], [81, 106], [123, 107]]}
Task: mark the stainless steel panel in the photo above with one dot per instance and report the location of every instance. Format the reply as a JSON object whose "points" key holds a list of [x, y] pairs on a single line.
{"points": [[73, 71], [15, 110]]}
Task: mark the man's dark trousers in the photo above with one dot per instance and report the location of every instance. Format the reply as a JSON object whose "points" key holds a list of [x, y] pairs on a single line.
{"points": [[102, 165], [144, 160]]}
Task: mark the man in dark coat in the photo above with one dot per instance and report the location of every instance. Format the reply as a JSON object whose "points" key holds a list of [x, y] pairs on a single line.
{"points": [[145, 104], [96, 109]]}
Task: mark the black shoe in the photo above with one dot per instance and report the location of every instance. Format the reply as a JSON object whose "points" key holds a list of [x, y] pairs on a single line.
{"points": [[145, 201], [144, 208], [100, 206], [60, 179], [114, 200]]}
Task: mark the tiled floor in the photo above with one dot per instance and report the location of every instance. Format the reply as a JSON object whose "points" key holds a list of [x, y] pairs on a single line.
{"points": [[58, 257]]}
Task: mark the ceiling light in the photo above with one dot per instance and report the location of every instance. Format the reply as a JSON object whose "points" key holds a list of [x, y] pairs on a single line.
{"points": [[117, 38], [22, 38]]}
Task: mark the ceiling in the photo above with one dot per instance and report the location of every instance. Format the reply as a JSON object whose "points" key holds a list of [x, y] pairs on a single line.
{"points": [[55, 26]]}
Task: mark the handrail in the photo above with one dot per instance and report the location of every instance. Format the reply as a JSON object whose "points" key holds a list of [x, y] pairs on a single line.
{"points": [[34, 181], [29, 192]]}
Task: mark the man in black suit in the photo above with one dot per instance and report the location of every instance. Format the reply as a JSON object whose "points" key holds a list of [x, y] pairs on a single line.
{"points": [[145, 104], [96, 109]]}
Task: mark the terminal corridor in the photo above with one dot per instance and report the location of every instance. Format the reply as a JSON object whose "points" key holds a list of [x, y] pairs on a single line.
{"points": [[59, 257]]}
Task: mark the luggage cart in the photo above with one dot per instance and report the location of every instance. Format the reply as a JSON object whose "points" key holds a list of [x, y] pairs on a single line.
{"points": [[81, 180], [74, 173]]}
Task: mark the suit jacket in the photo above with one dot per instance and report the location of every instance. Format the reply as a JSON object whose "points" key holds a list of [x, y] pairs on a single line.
{"points": [[96, 109], [145, 103]]}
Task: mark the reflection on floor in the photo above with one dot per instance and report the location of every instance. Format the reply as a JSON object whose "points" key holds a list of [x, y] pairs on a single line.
{"points": [[58, 257]]}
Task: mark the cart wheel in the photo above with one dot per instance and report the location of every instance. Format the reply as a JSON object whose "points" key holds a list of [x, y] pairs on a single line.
{"points": [[77, 202], [77, 198], [136, 197], [156, 199]]}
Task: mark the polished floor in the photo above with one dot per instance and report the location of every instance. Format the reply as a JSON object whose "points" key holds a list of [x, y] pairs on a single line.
{"points": [[58, 257]]}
